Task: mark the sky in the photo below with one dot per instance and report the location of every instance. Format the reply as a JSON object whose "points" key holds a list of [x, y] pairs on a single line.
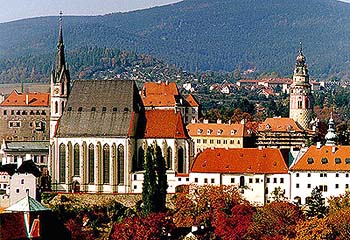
{"points": [[18, 9]]}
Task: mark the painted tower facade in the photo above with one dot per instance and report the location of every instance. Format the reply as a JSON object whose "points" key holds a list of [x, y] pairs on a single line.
{"points": [[301, 101], [60, 84]]}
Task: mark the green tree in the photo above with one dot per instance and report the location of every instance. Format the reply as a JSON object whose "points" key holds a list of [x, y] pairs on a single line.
{"points": [[154, 182], [316, 205]]}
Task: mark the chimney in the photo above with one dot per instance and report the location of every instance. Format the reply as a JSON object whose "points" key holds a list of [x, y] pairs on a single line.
{"points": [[318, 145], [205, 121], [218, 121], [167, 82], [27, 99], [260, 147], [193, 120], [334, 149]]}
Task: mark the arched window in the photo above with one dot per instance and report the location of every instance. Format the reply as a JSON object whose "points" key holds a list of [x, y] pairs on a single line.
{"points": [[76, 160], [56, 107], [62, 164], [106, 161], [120, 164], [181, 162], [140, 159], [91, 163], [169, 158]]}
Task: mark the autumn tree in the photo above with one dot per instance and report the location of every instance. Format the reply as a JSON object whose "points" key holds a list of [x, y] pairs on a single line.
{"points": [[155, 181], [315, 229], [276, 220]]}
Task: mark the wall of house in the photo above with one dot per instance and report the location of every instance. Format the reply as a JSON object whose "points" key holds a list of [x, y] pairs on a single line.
{"points": [[21, 185]]}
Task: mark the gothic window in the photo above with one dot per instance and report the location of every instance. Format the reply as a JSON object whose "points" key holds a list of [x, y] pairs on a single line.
{"points": [[140, 159], [56, 107], [62, 164], [169, 158], [106, 161], [120, 164], [91, 163], [76, 160], [181, 162]]}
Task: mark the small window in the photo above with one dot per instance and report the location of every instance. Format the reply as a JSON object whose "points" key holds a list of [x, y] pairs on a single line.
{"points": [[309, 185], [232, 180], [126, 109], [179, 179], [347, 175], [187, 179], [205, 180], [347, 160], [115, 109], [232, 141], [337, 160], [257, 180], [346, 186], [22, 181], [135, 177], [17, 190], [337, 175], [135, 186], [324, 160], [195, 179], [309, 175], [281, 180], [274, 180], [5, 112], [212, 180], [69, 109], [104, 109], [297, 185], [267, 180], [250, 180], [336, 185], [43, 112], [297, 175], [310, 160], [80, 109], [218, 141], [93, 109]]}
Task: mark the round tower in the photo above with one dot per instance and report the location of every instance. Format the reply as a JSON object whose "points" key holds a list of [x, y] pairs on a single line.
{"points": [[301, 101]]}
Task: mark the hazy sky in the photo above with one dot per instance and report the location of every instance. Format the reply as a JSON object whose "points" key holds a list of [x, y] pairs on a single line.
{"points": [[18, 9]]}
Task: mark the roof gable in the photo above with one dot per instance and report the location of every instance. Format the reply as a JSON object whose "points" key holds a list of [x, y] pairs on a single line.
{"points": [[27, 99], [325, 158], [164, 124], [240, 160], [100, 108]]}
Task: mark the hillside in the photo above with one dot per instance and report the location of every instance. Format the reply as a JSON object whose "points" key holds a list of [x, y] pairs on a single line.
{"points": [[205, 34]]}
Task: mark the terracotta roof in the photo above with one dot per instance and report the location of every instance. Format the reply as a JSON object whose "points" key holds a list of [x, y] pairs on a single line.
{"points": [[277, 80], [27, 99], [160, 94], [159, 101], [217, 129], [161, 88], [326, 158], [164, 124], [279, 125], [240, 160], [249, 81], [192, 101]]}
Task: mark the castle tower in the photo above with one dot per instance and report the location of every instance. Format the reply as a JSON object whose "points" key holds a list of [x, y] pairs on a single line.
{"points": [[331, 136], [60, 84], [301, 101]]}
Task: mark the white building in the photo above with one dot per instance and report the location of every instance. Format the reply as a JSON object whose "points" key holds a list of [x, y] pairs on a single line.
{"points": [[257, 173]]}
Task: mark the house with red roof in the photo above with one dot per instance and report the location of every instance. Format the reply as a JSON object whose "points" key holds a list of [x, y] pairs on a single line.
{"points": [[256, 172], [165, 95], [25, 116], [326, 167], [165, 128]]}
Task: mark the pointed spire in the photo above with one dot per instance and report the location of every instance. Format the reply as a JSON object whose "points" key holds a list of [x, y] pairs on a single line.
{"points": [[60, 60], [331, 136]]}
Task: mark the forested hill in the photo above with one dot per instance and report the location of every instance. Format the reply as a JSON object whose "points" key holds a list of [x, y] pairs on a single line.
{"points": [[205, 34]]}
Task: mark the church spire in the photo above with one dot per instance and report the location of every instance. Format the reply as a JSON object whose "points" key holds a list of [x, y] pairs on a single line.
{"points": [[60, 59], [331, 136]]}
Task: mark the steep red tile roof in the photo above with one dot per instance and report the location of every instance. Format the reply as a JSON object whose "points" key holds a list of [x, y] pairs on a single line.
{"points": [[325, 158], [279, 125], [27, 99], [192, 101], [217, 129], [277, 80], [240, 160], [164, 124], [159, 101], [159, 94], [249, 81], [160, 88]]}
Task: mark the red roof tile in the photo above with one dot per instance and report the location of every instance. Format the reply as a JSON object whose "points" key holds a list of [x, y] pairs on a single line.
{"points": [[192, 101], [164, 124], [159, 94], [217, 129], [279, 125], [27, 99], [240, 160], [326, 158], [161, 88]]}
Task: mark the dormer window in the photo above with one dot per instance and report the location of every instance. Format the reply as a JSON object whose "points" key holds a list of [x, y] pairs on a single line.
{"points": [[347, 160], [199, 131], [93, 109], [209, 131], [233, 132], [104, 109], [310, 160], [324, 160], [220, 131], [268, 127], [337, 160]]}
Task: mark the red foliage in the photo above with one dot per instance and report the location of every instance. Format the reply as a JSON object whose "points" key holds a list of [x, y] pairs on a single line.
{"points": [[235, 225], [75, 227], [154, 226]]}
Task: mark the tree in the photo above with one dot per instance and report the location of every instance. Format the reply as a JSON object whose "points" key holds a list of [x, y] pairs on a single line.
{"points": [[316, 205], [154, 182], [315, 229]]}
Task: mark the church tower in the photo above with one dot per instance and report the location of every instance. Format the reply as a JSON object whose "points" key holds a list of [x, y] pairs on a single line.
{"points": [[60, 84], [301, 101]]}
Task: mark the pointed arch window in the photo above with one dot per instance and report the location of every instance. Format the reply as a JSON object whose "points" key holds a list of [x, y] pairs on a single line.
{"points": [[91, 163], [181, 160], [140, 159], [76, 160], [106, 164], [169, 158], [120, 164], [62, 164], [56, 107]]}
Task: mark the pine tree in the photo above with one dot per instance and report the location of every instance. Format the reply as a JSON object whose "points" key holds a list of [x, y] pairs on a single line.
{"points": [[316, 204], [154, 182]]}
